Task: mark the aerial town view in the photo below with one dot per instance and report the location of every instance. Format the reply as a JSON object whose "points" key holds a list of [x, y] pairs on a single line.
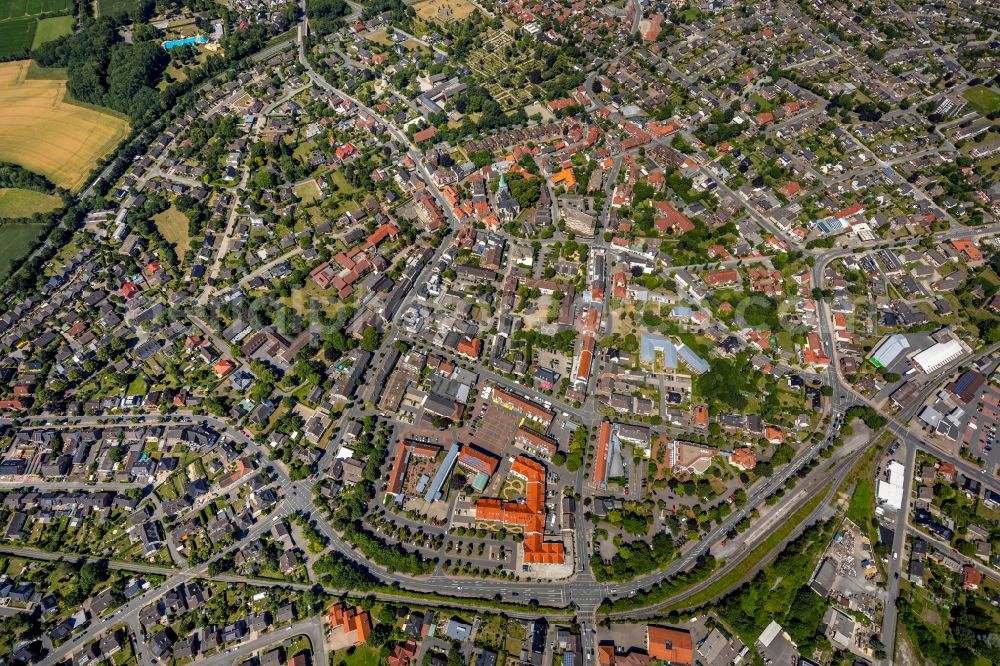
{"points": [[499, 332]]}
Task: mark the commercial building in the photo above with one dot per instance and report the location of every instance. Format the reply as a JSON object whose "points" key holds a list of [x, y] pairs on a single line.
{"points": [[938, 355], [889, 350], [443, 472], [890, 493], [658, 350], [522, 406], [693, 459]]}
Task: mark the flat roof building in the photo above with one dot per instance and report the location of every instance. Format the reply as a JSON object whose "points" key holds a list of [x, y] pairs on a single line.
{"points": [[938, 355], [890, 493]]}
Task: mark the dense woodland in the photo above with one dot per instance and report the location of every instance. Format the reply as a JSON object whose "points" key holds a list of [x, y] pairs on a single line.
{"points": [[325, 15], [106, 71], [780, 592]]}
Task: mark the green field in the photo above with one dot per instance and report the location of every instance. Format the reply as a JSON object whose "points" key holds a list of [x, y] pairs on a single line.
{"points": [[137, 387], [862, 504], [983, 99], [17, 203], [19, 238], [20, 18], [112, 7], [52, 28], [308, 191], [16, 36], [18, 8]]}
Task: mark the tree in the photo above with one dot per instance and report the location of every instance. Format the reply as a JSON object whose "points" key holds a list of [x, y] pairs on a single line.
{"points": [[90, 576], [370, 339], [380, 634]]}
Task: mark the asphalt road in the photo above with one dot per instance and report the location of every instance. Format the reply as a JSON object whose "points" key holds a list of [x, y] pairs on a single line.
{"points": [[582, 590]]}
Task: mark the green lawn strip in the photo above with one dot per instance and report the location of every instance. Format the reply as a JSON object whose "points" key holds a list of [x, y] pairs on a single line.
{"points": [[860, 508]]}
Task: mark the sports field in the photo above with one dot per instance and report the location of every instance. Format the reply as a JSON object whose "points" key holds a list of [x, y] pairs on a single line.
{"points": [[983, 99], [444, 11], [44, 133], [17, 203], [19, 22], [17, 240]]}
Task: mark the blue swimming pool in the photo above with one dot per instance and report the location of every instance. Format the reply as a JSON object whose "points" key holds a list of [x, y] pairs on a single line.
{"points": [[200, 39]]}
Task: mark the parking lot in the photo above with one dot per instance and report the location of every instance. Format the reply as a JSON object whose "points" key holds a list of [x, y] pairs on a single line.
{"points": [[493, 430]]}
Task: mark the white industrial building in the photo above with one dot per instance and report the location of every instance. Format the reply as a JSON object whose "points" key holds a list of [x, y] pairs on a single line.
{"points": [[938, 355], [890, 493]]}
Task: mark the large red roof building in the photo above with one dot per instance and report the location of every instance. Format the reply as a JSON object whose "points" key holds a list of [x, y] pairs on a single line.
{"points": [[528, 514]]}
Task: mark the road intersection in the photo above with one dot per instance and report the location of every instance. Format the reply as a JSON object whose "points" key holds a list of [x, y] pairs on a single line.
{"points": [[581, 590]]}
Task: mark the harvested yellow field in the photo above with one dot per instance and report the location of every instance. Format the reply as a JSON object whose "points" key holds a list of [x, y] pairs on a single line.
{"points": [[44, 133], [444, 11]]}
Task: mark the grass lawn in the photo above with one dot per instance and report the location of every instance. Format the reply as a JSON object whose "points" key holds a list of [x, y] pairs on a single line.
{"points": [[52, 28], [380, 37], [303, 150], [137, 387], [18, 238], [16, 203], [984, 100], [491, 631], [363, 655], [342, 207], [308, 191], [44, 132], [300, 644], [173, 224], [341, 184]]}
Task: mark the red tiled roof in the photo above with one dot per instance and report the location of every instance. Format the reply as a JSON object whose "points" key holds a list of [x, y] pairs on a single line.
{"points": [[425, 135], [529, 514], [603, 442], [669, 645]]}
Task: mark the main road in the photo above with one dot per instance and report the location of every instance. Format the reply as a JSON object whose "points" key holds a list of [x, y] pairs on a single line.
{"points": [[582, 590]]}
